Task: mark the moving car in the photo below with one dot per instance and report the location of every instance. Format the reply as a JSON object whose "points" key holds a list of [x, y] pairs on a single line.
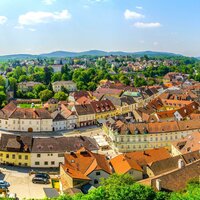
{"points": [[41, 180]]}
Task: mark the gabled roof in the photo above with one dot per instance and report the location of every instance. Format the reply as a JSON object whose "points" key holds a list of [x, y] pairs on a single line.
{"points": [[7, 110], [188, 109], [83, 162], [136, 160], [62, 144], [57, 116], [123, 163], [189, 143], [22, 143], [30, 113], [175, 180], [169, 164], [102, 106], [84, 109]]}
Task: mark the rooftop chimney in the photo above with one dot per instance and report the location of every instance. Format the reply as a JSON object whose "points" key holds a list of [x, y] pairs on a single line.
{"points": [[158, 184], [181, 163]]}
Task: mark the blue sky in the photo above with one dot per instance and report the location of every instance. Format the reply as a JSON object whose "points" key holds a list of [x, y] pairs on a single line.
{"points": [[38, 26]]}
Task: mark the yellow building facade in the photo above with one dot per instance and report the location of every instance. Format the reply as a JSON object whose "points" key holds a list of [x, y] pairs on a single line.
{"points": [[15, 158]]}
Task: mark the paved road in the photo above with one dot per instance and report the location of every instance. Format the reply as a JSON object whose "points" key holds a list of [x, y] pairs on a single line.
{"points": [[56, 133], [21, 183]]}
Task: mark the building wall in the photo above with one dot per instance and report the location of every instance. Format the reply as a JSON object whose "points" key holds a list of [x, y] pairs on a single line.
{"points": [[71, 122], [69, 86], [95, 177], [15, 158], [175, 151], [104, 115], [65, 178], [4, 124], [59, 125], [85, 120], [137, 175], [46, 160], [149, 172], [128, 143], [29, 125]]}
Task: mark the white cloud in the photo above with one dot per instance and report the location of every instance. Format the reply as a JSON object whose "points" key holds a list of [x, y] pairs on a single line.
{"points": [[128, 14], [31, 18], [3, 20], [147, 25], [48, 2], [32, 29], [139, 7]]}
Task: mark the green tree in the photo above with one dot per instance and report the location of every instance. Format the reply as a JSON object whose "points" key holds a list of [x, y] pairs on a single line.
{"points": [[48, 72], [92, 86], [56, 77], [61, 96], [2, 97], [23, 78], [125, 80], [45, 95], [38, 88], [2, 81]]}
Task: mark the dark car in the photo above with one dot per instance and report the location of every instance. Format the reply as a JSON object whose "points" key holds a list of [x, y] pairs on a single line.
{"points": [[41, 180], [42, 175]]}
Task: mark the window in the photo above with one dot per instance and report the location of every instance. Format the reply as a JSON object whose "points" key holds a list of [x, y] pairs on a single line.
{"points": [[26, 157], [46, 163], [52, 162], [20, 157], [96, 181], [60, 155], [7, 155], [37, 163], [38, 155], [13, 156], [98, 173], [25, 164]]}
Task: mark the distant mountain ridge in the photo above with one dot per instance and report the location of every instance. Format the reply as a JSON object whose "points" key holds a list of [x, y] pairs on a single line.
{"points": [[62, 54]]}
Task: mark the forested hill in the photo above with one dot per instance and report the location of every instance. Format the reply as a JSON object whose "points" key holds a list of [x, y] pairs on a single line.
{"points": [[60, 54]]}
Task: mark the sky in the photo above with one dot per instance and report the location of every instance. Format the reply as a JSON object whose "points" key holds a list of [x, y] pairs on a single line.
{"points": [[42, 26]]}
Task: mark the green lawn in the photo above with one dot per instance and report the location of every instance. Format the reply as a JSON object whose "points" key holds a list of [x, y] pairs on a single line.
{"points": [[27, 105]]}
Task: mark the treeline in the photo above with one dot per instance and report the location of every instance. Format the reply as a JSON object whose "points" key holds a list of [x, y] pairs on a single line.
{"points": [[88, 79], [123, 187]]}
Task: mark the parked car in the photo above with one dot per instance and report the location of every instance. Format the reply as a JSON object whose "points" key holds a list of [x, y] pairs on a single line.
{"points": [[42, 175], [41, 180], [4, 184]]}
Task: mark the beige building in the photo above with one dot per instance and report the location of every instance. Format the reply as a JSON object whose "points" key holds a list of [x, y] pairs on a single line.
{"points": [[27, 86], [49, 152], [83, 167], [85, 114], [140, 136], [13, 118], [69, 85]]}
